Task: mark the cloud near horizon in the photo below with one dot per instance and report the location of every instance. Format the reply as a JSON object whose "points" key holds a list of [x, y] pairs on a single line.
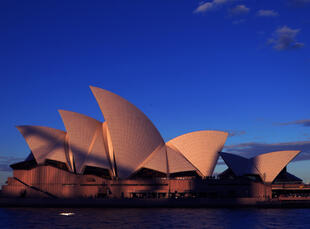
{"points": [[284, 38], [6, 161], [305, 123], [252, 149], [232, 133]]}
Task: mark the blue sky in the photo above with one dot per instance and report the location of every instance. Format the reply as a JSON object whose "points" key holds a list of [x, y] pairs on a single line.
{"points": [[237, 66]]}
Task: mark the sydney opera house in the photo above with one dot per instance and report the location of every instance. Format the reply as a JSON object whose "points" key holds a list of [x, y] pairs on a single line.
{"points": [[126, 157]]}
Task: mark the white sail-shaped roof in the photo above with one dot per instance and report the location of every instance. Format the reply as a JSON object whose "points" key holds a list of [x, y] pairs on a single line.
{"points": [[201, 148], [157, 160], [270, 165], [86, 141], [45, 143], [267, 165], [171, 157], [133, 135], [177, 162]]}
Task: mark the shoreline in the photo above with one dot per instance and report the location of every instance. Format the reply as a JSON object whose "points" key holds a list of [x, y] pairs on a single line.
{"points": [[153, 203]]}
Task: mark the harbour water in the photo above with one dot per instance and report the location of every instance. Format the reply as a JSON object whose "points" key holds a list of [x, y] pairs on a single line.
{"points": [[153, 218]]}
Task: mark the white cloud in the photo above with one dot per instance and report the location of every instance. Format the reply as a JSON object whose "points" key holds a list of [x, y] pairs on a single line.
{"points": [[284, 38], [239, 9], [267, 13], [206, 6]]}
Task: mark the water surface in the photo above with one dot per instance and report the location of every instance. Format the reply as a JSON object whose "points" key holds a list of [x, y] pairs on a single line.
{"points": [[153, 218]]}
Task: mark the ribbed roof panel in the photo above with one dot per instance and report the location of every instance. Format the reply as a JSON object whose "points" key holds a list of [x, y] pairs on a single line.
{"points": [[86, 142], [270, 164], [133, 135], [45, 143], [201, 148], [177, 162]]}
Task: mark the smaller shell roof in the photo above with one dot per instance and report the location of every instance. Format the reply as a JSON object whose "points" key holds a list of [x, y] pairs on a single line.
{"points": [[201, 148], [177, 162], [45, 143], [195, 151], [157, 160], [270, 164], [267, 165]]}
